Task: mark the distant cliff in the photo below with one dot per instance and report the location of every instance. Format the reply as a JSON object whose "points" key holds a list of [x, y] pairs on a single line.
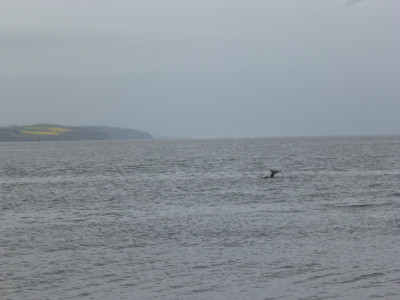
{"points": [[47, 132]]}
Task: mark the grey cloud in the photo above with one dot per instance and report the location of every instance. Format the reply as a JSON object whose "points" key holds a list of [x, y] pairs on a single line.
{"points": [[208, 68]]}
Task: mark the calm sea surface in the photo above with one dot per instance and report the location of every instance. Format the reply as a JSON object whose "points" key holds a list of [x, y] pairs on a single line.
{"points": [[193, 219]]}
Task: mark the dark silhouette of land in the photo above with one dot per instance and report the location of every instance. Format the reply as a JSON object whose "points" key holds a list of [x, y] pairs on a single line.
{"points": [[50, 132]]}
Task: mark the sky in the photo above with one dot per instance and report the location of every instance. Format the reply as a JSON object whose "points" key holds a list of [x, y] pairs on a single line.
{"points": [[203, 68]]}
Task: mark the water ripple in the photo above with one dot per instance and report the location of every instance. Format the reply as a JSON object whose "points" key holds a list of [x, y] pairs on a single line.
{"points": [[192, 219]]}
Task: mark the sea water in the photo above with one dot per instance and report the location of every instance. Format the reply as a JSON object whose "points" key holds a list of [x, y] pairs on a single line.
{"points": [[194, 219]]}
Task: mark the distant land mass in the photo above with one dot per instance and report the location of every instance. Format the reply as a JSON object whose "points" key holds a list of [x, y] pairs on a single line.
{"points": [[50, 132]]}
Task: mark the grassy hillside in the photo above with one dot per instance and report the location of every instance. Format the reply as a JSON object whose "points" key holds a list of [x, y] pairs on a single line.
{"points": [[50, 132]]}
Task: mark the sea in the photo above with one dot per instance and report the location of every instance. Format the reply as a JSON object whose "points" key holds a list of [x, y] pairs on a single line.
{"points": [[194, 219]]}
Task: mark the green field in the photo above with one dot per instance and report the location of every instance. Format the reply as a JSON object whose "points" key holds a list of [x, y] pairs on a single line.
{"points": [[44, 130]]}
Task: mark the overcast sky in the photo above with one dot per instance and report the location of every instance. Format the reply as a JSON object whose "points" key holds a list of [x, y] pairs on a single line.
{"points": [[203, 68]]}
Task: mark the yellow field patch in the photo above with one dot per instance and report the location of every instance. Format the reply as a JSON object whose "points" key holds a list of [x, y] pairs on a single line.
{"points": [[58, 129], [45, 130]]}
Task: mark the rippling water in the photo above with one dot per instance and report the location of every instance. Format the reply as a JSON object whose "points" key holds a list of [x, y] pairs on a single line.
{"points": [[193, 219]]}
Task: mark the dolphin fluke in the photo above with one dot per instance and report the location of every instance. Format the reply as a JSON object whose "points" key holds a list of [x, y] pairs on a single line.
{"points": [[273, 172]]}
